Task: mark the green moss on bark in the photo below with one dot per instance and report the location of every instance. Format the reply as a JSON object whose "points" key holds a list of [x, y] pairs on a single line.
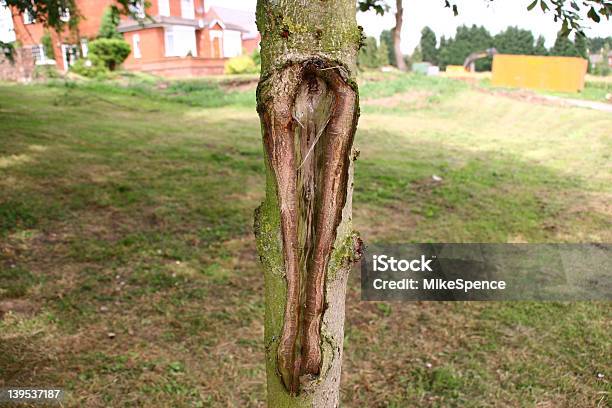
{"points": [[294, 31]]}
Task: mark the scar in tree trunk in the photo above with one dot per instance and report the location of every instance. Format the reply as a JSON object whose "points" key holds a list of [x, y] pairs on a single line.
{"points": [[308, 135]]}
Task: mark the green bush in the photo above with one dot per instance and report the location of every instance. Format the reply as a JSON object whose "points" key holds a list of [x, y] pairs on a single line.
{"points": [[256, 57], [45, 72], [109, 24], [602, 69], [111, 52], [90, 67], [47, 43], [243, 64]]}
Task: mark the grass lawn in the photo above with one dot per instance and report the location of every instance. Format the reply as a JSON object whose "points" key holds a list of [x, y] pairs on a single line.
{"points": [[596, 88], [129, 267]]}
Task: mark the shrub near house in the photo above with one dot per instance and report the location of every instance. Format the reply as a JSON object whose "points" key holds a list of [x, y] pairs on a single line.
{"points": [[110, 51], [105, 55]]}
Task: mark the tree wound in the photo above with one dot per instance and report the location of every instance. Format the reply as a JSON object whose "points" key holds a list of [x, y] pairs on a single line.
{"points": [[308, 135]]}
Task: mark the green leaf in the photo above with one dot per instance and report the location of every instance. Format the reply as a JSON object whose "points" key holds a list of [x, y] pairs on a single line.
{"points": [[592, 14], [532, 5], [565, 30], [544, 6]]}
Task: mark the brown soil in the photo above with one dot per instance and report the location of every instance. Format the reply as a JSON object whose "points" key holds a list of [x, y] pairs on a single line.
{"points": [[240, 84]]}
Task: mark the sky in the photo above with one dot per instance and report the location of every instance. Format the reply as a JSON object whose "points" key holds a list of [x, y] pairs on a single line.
{"points": [[495, 16]]}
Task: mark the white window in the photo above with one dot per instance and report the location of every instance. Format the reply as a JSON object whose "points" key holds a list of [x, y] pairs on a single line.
{"points": [[180, 41], [69, 55], [138, 9], [187, 9], [64, 14], [136, 45], [232, 43], [7, 31], [40, 58], [164, 7], [169, 42], [84, 47], [38, 52], [28, 18]]}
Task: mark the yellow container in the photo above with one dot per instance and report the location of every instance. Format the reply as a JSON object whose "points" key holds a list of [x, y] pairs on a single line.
{"points": [[563, 74], [456, 70]]}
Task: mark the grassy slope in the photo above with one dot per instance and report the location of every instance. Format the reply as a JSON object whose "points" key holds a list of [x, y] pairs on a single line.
{"points": [[128, 210], [596, 89]]}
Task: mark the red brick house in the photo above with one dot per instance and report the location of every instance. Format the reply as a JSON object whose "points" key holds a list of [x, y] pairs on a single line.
{"points": [[21, 27], [180, 38], [174, 38]]}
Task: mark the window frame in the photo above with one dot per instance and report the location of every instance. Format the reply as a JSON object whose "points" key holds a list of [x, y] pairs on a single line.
{"points": [[188, 9], [136, 46], [28, 18], [165, 9], [138, 9], [64, 14]]}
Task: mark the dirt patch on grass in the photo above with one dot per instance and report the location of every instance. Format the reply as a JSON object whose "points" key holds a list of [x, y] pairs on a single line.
{"points": [[240, 84], [20, 306], [414, 99], [14, 160], [598, 202], [521, 95], [389, 222], [99, 173], [592, 209]]}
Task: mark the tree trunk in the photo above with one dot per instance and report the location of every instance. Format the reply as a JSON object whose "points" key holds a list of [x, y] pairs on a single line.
{"points": [[308, 104], [397, 37]]}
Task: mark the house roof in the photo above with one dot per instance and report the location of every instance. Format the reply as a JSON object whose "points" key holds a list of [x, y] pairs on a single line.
{"points": [[230, 19], [239, 20], [157, 21], [226, 26]]}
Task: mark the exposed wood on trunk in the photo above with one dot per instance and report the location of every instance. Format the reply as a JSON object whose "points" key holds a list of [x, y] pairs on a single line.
{"points": [[308, 133]]}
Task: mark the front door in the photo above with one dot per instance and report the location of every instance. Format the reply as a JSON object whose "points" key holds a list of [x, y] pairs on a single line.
{"points": [[69, 55]]}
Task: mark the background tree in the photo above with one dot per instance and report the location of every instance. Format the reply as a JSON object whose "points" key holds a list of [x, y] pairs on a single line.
{"points": [[428, 45], [540, 46], [580, 43], [386, 37], [443, 43], [109, 24], [514, 40], [369, 54], [595, 44], [383, 55], [564, 47], [568, 12], [466, 41], [416, 56]]}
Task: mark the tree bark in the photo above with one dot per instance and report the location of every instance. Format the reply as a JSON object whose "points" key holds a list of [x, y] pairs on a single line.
{"points": [[397, 37], [308, 104]]}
